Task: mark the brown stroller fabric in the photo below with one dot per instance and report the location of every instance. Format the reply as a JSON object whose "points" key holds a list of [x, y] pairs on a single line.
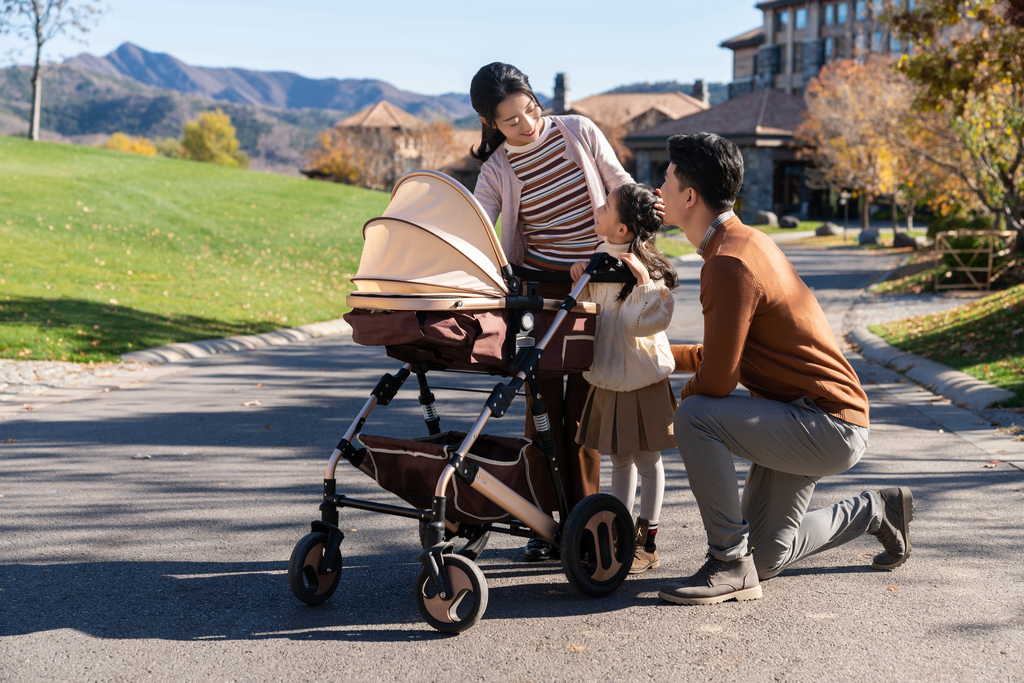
{"points": [[474, 340], [411, 468]]}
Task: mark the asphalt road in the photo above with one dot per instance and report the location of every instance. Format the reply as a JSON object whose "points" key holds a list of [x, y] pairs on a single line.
{"points": [[115, 566]]}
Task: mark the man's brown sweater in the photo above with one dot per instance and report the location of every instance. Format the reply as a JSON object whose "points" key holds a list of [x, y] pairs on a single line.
{"points": [[764, 328]]}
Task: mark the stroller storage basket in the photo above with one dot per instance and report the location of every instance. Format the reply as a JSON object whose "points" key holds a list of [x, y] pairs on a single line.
{"points": [[475, 340], [410, 468]]}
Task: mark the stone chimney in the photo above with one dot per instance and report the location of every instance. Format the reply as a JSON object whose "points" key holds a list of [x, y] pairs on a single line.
{"points": [[561, 103], [701, 92]]}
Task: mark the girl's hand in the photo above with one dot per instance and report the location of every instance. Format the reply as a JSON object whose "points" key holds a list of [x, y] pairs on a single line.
{"points": [[639, 271], [577, 270], [659, 206]]}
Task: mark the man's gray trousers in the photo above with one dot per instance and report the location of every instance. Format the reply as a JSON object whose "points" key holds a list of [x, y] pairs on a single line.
{"points": [[790, 447]]}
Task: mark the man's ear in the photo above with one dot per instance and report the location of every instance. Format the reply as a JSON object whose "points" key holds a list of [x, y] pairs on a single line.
{"points": [[691, 198]]}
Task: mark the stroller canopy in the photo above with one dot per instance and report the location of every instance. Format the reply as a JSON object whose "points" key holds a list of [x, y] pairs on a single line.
{"points": [[433, 239]]}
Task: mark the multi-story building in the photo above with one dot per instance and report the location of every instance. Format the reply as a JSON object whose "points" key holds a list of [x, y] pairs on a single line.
{"points": [[798, 37]]}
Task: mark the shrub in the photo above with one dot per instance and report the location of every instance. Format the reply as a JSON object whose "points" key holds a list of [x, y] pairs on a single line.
{"points": [[120, 142], [210, 137], [170, 147]]}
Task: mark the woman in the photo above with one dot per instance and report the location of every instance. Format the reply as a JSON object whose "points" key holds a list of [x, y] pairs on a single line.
{"points": [[545, 176]]}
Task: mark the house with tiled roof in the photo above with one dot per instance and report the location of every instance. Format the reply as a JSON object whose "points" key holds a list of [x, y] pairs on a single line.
{"points": [[382, 115], [619, 114], [762, 125], [635, 111], [391, 142]]}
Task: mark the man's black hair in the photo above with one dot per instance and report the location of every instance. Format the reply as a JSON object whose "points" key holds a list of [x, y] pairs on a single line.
{"points": [[711, 165]]}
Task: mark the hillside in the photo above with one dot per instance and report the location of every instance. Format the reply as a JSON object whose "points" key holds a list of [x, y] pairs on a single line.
{"points": [[86, 106], [103, 252], [278, 89]]}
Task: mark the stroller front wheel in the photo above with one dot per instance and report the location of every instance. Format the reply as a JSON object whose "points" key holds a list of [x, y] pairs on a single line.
{"points": [[597, 545], [476, 539], [464, 607], [304, 578]]}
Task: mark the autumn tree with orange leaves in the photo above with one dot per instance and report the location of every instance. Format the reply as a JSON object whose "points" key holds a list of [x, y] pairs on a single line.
{"points": [[864, 135], [968, 68]]}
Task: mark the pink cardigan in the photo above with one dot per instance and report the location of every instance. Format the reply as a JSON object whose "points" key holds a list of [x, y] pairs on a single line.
{"points": [[498, 189]]}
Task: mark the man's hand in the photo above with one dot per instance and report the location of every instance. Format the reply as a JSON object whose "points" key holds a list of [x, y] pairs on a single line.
{"points": [[659, 206], [577, 270], [639, 271]]}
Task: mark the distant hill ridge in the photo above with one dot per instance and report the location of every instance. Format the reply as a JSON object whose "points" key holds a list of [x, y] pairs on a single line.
{"points": [[280, 89]]}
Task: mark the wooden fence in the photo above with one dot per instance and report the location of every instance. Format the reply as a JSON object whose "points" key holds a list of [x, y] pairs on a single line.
{"points": [[976, 261]]}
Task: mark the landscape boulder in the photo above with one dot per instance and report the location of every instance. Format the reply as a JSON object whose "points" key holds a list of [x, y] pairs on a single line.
{"points": [[868, 237], [903, 239], [766, 218], [829, 228], [789, 222]]}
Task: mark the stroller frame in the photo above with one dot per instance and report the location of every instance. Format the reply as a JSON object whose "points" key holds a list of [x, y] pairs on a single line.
{"points": [[595, 538]]}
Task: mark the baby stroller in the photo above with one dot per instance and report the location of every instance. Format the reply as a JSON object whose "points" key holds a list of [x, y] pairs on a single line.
{"points": [[435, 289]]}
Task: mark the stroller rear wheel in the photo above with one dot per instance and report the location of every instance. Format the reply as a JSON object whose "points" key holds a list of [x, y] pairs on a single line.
{"points": [[476, 539], [597, 545], [304, 578], [464, 607]]}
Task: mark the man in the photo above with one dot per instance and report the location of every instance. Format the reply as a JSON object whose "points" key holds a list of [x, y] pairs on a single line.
{"points": [[806, 416]]}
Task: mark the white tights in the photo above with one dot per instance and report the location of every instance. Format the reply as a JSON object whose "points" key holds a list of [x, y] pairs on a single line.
{"points": [[652, 482]]}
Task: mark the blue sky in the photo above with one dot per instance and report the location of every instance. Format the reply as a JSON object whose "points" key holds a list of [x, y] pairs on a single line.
{"points": [[432, 47]]}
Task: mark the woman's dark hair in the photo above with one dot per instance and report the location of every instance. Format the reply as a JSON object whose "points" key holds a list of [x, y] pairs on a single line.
{"points": [[489, 87], [637, 212]]}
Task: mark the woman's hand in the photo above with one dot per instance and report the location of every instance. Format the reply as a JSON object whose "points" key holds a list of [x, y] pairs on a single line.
{"points": [[577, 270], [659, 206], [639, 271]]}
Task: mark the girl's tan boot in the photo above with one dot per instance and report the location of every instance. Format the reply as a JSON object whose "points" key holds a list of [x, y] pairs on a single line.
{"points": [[642, 559]]}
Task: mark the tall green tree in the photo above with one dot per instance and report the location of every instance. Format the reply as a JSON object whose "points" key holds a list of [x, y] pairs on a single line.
{"points": [[967, 59], [40, 21]]}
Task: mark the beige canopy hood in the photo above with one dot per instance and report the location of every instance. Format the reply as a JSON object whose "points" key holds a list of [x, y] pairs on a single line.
{"points": [[434, 239]]}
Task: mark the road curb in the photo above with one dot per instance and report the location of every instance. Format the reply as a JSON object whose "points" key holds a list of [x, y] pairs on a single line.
{"points": [[175, 353], [960, 388]]}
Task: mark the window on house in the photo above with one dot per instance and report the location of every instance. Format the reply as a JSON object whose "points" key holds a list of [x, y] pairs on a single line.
{"points": [[801, 19], [830, 15], [830, 46], [860, 11], [840, 51], [841, 13], [781, 20]]}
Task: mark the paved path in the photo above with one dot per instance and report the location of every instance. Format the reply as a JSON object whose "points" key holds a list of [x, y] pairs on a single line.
{"points": [[119, 566]]}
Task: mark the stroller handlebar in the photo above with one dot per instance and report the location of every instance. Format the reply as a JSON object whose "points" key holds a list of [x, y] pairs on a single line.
{"points": [[617, 272]]}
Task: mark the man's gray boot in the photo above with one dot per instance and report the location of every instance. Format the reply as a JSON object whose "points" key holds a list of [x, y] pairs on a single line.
{"points": [[717, 581], [894, 530]]}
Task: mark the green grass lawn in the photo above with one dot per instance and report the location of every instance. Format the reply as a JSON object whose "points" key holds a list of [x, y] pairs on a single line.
{"points": [[102, 252], [985, 339]]}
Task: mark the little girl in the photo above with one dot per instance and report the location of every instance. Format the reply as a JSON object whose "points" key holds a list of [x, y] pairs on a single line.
{"points": [[629, 411]]}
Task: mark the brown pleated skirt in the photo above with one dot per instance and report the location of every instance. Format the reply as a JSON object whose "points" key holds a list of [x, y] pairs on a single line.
{"points": [[629, 421]]}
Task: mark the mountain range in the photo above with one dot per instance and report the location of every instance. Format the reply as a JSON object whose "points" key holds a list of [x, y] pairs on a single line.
{"points": [[279, 89]]}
